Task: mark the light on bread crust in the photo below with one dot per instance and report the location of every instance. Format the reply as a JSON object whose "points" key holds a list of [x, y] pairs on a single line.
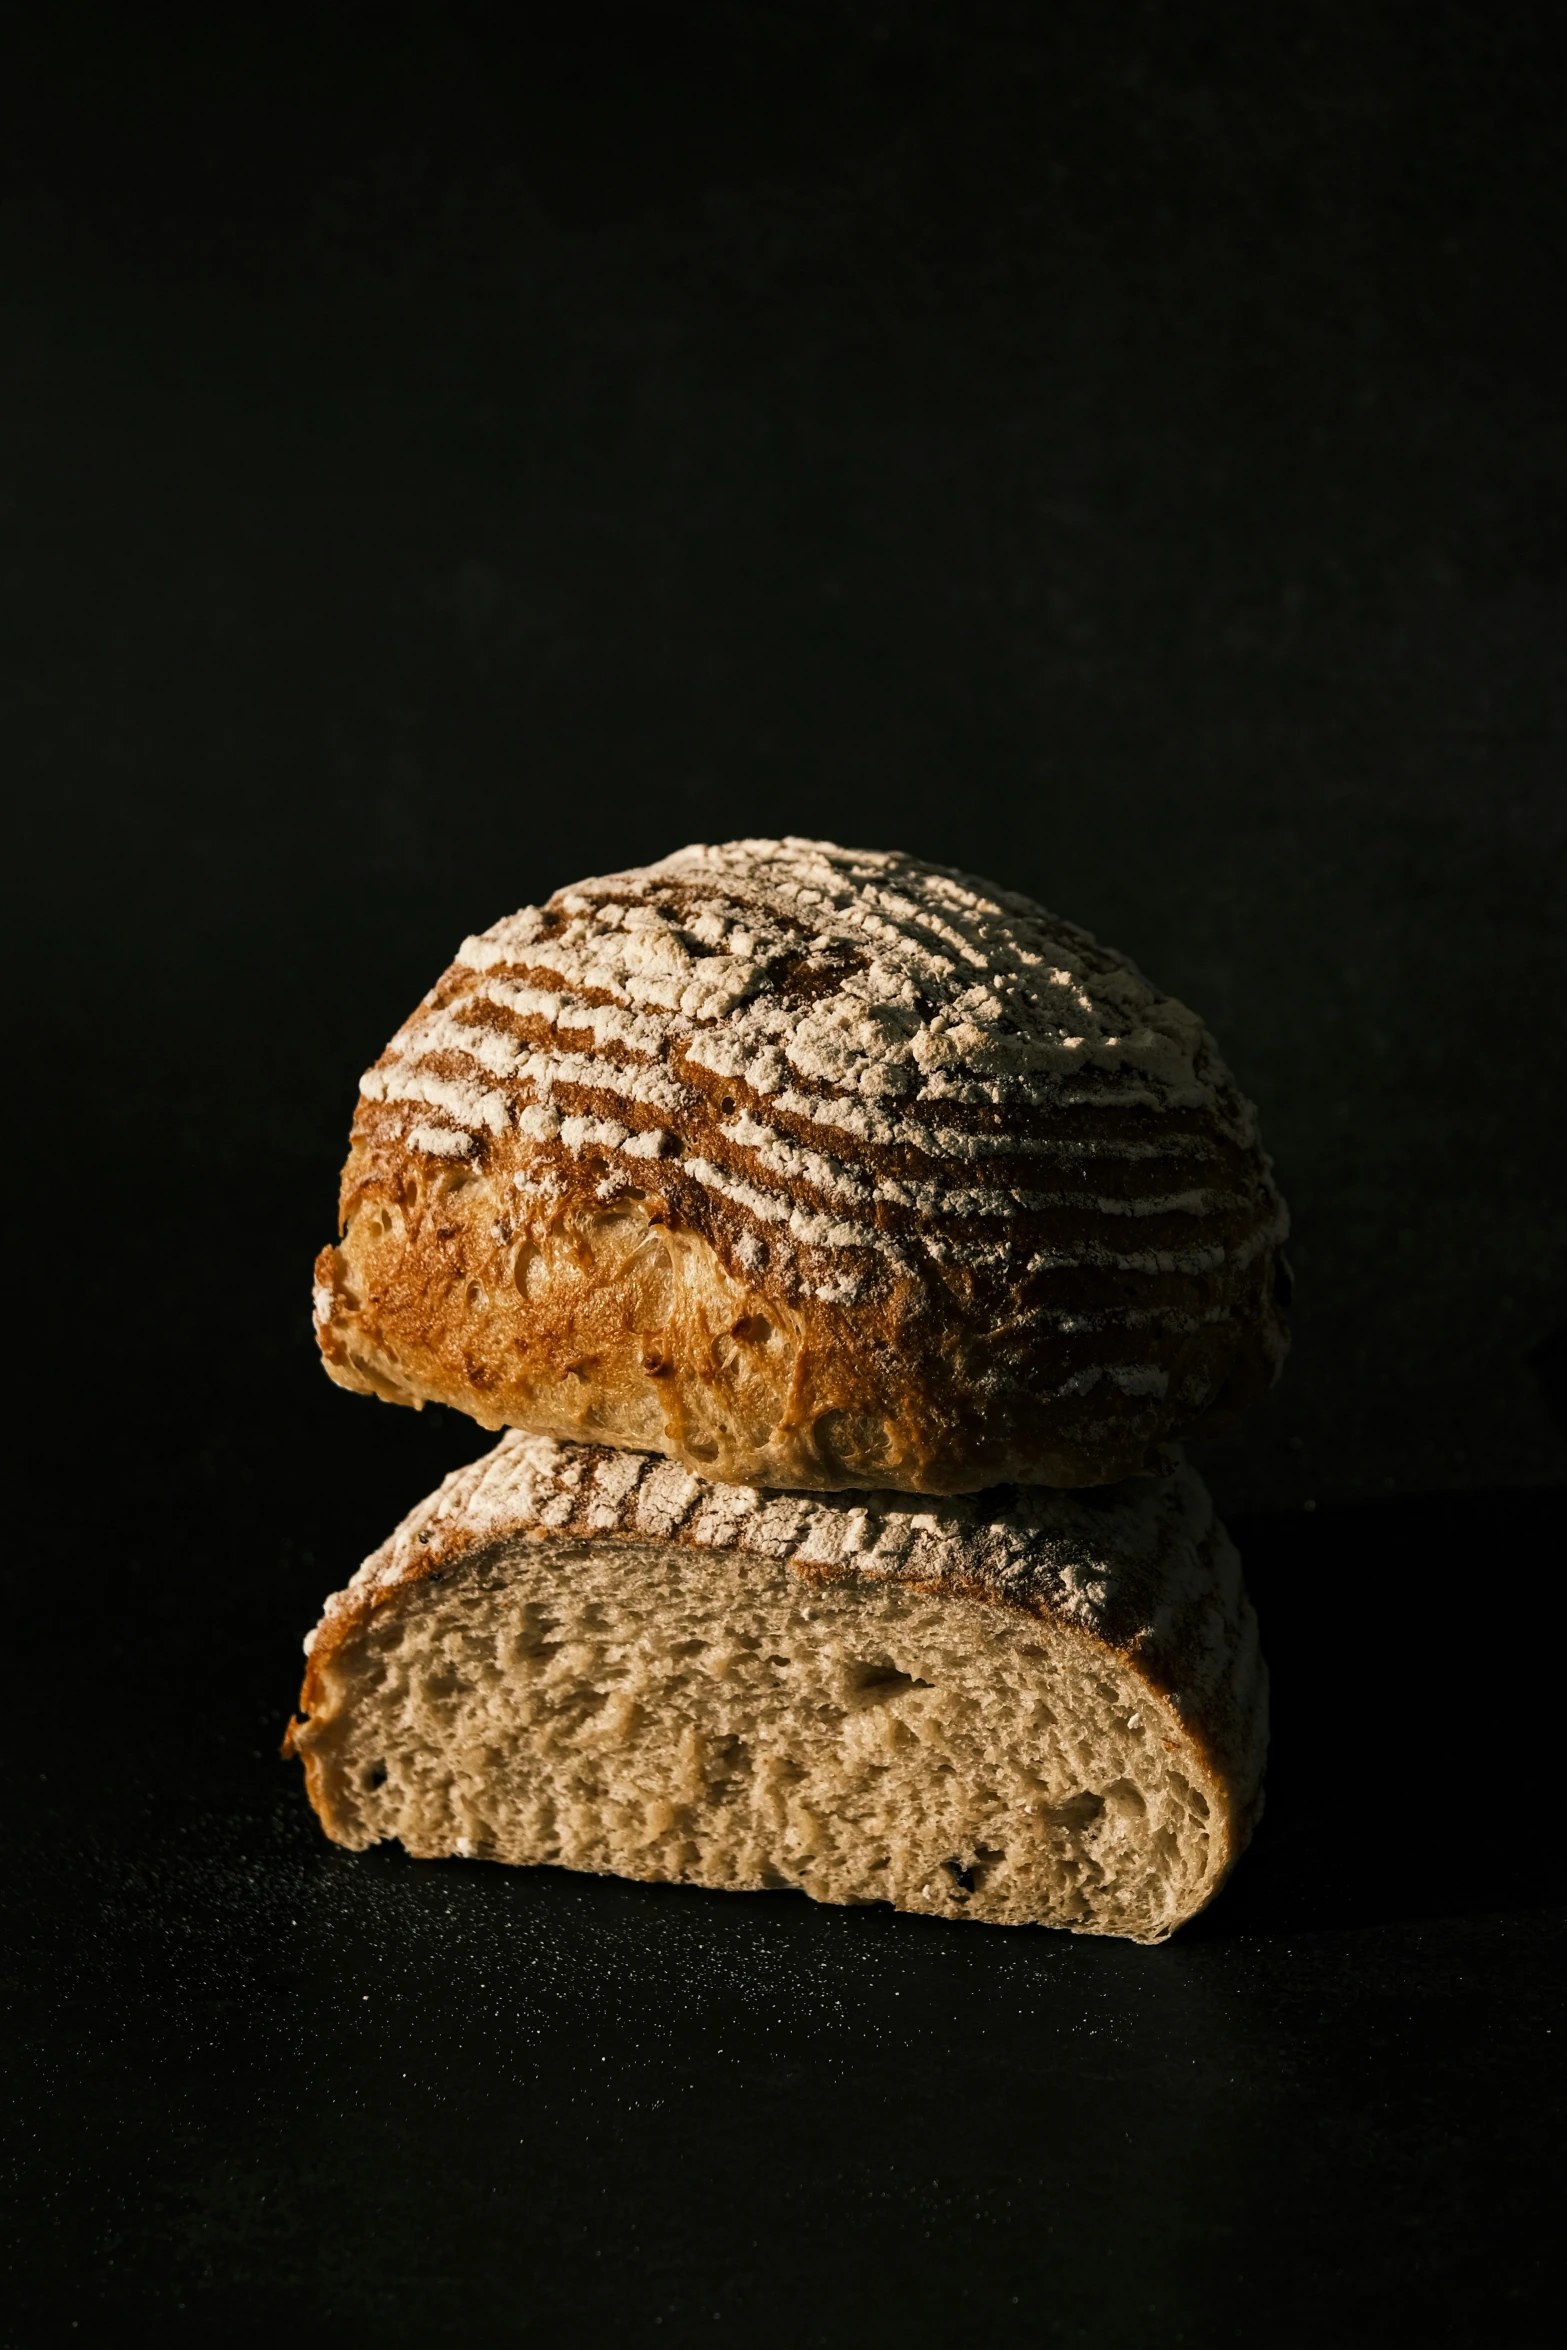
{"points": [[809, 1167], [1032, 1708]]}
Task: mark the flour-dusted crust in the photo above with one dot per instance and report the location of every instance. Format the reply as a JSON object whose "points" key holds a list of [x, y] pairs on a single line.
{"points": [[1132, 1595], [809, 1167]]}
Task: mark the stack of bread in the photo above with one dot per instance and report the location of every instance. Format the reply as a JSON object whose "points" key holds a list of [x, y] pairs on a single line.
{"points": [[843, 1246]]}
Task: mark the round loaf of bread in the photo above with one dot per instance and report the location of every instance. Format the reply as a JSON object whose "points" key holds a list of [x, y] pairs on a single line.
{"points": [[809, 1167]]}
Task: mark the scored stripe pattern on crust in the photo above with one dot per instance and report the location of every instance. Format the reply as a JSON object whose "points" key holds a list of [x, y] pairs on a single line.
{"points": [[847, 1064]]}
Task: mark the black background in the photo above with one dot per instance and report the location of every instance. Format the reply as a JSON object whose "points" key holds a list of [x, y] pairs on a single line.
{"points": [[450, 450]]}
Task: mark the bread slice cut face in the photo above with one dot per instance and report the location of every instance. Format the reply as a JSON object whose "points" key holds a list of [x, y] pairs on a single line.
{"points": [[1026, 1708]]}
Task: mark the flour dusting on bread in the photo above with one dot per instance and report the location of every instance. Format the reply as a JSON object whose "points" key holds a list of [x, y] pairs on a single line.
{"points": [[686, 1156]]}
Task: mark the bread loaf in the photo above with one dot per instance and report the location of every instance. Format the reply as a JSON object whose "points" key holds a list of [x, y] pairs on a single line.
{"points": [[812, 1168], [1026, 1707]]}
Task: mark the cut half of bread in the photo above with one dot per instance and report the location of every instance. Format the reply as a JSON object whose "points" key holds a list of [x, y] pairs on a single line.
{"points": [[1024, 1707]]}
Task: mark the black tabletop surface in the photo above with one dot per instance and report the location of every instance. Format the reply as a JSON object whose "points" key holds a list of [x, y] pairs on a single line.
{"points": [[446, 453]]}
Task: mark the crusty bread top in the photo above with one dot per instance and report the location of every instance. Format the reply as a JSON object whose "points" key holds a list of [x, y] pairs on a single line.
{"points": [[1143, 1568], [863, 1064]]}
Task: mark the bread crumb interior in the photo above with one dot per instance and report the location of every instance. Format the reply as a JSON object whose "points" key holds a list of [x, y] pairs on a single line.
{"points": [[653, 1712]]}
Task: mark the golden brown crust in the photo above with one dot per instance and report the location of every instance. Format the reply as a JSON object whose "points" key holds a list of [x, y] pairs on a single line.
{"points": [[788, 1162], [1143, 1570]]}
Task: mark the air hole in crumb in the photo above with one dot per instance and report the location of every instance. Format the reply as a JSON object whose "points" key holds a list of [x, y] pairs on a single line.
{"points": [[701, 1450], [375, 1776], [959, 1874], [727, 1104], [1078, 1812], [874, 1684], [753, 1330]]}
